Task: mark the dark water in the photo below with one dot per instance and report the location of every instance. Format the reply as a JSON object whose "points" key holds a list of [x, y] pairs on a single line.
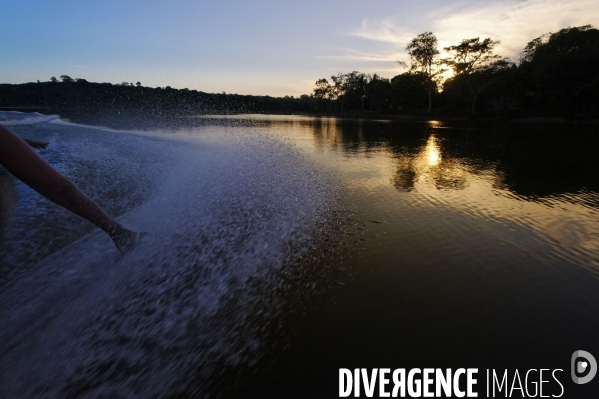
{"points": [[440, 245], [480, 249]]}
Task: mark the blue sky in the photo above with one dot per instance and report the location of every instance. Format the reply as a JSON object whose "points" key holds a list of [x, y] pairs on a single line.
{"points": [[253, 47]]}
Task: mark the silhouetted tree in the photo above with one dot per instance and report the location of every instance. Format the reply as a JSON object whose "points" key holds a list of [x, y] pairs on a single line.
{"points": [[348, 89], [409, 90], [377, 91], [474, 64], [324, 95], [560, 72], [354, 88], [424, 57]]}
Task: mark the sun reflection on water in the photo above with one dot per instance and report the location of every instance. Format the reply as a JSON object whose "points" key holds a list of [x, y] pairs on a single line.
{"points": [[432, 151], [443, 168]]}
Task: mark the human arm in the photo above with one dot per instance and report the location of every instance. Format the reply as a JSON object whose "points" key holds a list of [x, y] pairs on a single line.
{"points": [[24, 163]]}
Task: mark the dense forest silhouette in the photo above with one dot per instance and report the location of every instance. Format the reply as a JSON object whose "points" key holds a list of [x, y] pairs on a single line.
{"points": [[557, 75]]}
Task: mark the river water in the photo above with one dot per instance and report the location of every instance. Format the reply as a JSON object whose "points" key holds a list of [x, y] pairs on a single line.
{"points": [[282, 248]]}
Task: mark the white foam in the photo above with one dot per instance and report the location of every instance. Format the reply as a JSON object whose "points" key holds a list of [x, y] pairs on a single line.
{"points": [[232, 210], [13, 118]]}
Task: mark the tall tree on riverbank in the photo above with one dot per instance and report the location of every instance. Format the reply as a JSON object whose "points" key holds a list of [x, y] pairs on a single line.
{"points": [[424, 57], [474, 64]]}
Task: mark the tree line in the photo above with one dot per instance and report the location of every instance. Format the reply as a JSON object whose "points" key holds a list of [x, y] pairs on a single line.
{"points": [[557, 74], [78, 96]]}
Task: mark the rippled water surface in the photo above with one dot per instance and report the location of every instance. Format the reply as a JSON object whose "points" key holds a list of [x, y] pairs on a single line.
{"points": [[284, 248]]}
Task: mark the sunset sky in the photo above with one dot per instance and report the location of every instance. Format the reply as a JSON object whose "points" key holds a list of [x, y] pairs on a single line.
{"points": [[253, 47]]}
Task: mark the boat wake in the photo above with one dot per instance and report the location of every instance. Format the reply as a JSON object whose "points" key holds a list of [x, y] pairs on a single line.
{"points": [[226, 214]]}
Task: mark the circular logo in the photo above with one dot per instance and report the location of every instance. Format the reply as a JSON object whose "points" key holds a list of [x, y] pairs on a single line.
{"points": [[587, 366]]}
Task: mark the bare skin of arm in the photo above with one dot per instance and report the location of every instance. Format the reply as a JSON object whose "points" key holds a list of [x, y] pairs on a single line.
{"points": [[25, 164]]}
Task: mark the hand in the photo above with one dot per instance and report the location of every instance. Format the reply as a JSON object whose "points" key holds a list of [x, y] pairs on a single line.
{"points": [[40, 145]]}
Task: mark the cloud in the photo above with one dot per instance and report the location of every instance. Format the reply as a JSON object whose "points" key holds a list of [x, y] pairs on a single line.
{"points": [[516, 23], [513, 22], [357, 55], [386, 30]]}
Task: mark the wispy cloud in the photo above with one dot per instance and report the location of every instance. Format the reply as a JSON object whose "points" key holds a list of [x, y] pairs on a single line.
{"points": [[516, 23], [513, 22], [385, 30], [385, 71], [357, 55]]}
